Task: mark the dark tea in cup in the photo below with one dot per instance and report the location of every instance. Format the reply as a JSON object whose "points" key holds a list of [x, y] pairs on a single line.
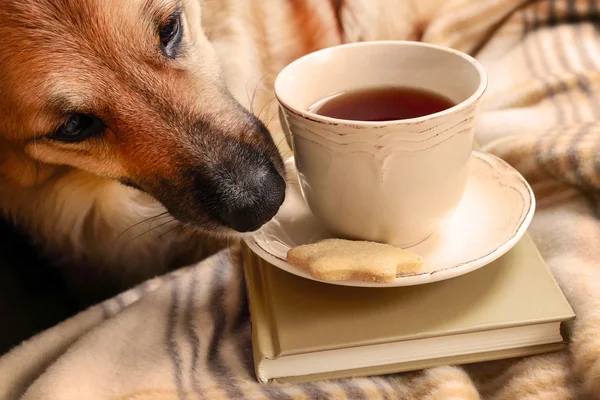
{"points": [[381, 104]]}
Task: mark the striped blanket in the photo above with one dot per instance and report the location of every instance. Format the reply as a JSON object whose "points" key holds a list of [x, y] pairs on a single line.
{"points": [[187, 335]]}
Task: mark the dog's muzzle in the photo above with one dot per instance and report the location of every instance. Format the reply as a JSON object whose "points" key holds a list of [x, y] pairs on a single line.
{"points": [[242, 195]]}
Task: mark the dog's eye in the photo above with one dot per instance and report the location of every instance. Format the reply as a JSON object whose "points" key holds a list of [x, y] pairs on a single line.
{"points": [[78, 127], [169, 29], [170, 35]]}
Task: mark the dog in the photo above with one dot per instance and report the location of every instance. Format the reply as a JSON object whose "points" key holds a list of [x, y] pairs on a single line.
{"points": [[134, 132]]}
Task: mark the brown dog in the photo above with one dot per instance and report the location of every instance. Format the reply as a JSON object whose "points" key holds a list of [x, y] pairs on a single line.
{"points": [[125, 126]]}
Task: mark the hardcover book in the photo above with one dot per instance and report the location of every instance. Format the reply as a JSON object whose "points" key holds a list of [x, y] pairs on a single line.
{"points": [[307, 330]]}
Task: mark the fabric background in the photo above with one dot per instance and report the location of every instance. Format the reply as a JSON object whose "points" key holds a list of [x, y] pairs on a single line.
{"points": [[187, 335]]}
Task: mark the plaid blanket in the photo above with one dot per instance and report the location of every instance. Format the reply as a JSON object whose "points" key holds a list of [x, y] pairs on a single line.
{"points": [[187, 335]]}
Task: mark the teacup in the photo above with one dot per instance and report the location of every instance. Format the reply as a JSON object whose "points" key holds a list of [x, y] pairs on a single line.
{"points": [[394, 181]]}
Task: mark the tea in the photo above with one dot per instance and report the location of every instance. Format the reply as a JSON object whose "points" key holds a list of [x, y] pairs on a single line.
{"points": [[382, 104]]}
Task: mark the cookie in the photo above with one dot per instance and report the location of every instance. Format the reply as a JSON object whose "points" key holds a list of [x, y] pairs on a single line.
{"points": [[339, 259]]}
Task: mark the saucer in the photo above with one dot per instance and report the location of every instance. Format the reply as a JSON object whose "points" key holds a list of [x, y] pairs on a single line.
{"points": [[494, 213]]}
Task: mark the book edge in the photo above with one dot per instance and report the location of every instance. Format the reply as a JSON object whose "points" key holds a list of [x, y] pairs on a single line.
{"points": [[552, 277], [424, 364], [264, 344]]}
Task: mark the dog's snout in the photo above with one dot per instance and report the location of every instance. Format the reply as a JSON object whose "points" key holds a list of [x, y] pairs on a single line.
{"points": [[254, 202], [243, 197]]}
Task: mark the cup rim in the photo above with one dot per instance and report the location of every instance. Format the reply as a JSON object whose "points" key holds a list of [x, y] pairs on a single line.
{"points": [[478, 93]]}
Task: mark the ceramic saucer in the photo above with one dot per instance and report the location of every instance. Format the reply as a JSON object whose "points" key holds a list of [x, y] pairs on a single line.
{"points": [[494, 213]]}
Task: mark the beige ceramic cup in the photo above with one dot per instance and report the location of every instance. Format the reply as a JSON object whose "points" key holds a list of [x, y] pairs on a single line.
{"points": [[396, 181]]}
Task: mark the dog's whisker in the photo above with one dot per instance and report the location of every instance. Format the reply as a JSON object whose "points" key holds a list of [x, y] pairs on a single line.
{"points": [[140, 223], [256, 89], [260, 90], [266, 105], [282, 145], [271, 119], [248, 97], [152, 229], [167, 232], [157, 218], [281, 142]]}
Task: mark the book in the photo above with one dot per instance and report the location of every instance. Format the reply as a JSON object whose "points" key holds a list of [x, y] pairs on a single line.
{"points": [[306, 330]]}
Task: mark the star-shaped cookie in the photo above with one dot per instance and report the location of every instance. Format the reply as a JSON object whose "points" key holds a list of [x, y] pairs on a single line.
{"points": [[339, 259]]}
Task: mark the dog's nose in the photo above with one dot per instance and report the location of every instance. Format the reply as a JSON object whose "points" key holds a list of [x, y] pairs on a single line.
{"points": [[256, 203], [244, 200]]}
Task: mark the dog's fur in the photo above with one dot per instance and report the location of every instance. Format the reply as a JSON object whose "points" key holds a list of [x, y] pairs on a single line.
{"points": [[166, 118]]}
